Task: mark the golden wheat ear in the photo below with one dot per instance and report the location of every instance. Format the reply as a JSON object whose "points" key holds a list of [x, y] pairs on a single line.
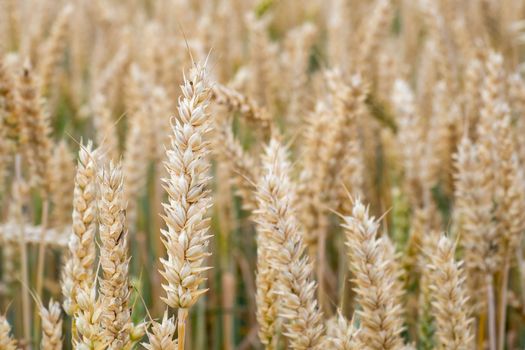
{"points": [[449, 294], [288, 270], [161, 335], [373, 263], [114, 261], [51, 326], [7, 342]]}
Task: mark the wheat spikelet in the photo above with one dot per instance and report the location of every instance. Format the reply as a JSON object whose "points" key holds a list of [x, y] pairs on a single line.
{"points": [[278, 226], [53, 48], [51, 326], [161, 335], [265, 297], [6, 340], [87, 318], [340, 334], [381, 324], [62, 185], [114, 285], [449, 298], [78, 270]]}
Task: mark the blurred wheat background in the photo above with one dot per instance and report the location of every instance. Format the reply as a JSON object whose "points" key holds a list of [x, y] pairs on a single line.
{"points": [[262, 174]]}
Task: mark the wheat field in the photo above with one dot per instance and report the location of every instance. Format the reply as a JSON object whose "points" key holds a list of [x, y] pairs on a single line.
{"points": [[262, 174]]}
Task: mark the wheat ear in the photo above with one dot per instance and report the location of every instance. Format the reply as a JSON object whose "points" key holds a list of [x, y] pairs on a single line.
{"points": [[54, 47], [340, 334], [186, 236], [78, 270], [11, 119], [279, 229], [449, 298], [114, 285], [62, 186], [7, 342], [381, 324], [51, 326], [161, 335]]}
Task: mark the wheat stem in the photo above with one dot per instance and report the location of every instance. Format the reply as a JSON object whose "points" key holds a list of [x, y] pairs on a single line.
{"points": [[26, 306], [503, 302], [491, 300], [42, 248], [182, 315]]}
